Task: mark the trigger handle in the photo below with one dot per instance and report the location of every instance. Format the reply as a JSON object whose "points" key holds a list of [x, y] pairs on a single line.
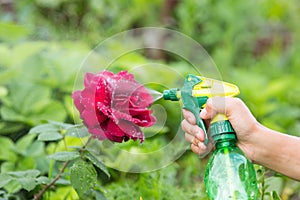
{"points": [[192, 103]]}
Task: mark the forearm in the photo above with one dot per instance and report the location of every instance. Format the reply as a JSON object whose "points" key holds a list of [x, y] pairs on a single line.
{"points": [[277, 151]]}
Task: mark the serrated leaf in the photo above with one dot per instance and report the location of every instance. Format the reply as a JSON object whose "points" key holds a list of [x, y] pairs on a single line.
{"points": [[61, 125], [62, 181], [13, 186], [32, 173], [50, 136], [27, 183], [4, 179], [78, 131], [83, 178], [43, 128], [42, 180], [96, 162], [64, 156]]}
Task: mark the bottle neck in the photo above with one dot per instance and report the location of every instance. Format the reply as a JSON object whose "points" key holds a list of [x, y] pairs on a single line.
{"points": [[225, 140]]}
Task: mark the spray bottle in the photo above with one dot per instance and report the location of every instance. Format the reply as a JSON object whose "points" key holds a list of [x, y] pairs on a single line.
{"points": [[229, 174]]}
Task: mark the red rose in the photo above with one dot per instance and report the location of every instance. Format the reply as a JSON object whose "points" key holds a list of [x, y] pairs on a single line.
{"points": [[114, 106]]}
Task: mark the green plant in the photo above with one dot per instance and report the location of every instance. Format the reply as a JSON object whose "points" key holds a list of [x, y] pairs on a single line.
{"points": [[76, 166]]}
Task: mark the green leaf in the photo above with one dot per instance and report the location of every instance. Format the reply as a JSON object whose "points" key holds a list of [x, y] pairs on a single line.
{"points": [[13, 186], [25, 162], [27, 97], [30, 103], [61, 125], [23, 143], [9, 114], [43, 128], [7, 166], [4, 179], [54, 110], [42, 180], [83, 178], [62, 181], [50, 136], [31, 173], [37, 148], [78, 131], [51, 131], [27, 183], [64, 156], [96, 162], [6, 152]]}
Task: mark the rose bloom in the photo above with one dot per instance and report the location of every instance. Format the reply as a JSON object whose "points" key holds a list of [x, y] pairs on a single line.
{"points": [[114, 106]]}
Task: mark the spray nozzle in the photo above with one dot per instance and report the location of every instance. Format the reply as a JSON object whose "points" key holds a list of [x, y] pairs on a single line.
{"points": [[172, 94], [195, 92]]}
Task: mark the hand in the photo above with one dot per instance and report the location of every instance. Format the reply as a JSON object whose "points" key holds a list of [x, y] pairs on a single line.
{"points": [[239, 116]]}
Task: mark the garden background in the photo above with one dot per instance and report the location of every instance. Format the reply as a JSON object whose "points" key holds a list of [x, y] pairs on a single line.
{"points": [[255, 44]]}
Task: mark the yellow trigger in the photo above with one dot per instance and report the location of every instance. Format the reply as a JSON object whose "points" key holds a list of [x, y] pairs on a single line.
{"points": [[211, 88]]}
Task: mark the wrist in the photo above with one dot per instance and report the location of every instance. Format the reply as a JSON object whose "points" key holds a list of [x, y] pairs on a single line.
{"points": [[263, 146], [253, 146]]}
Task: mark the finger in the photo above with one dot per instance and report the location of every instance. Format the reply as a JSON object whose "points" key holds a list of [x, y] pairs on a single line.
{"points": [[189, 116], [213, 106], [193, 130], [196, 149], [193, 140], [200, 149]]}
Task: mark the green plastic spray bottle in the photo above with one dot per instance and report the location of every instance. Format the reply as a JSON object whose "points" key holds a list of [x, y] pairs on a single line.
{"points": [[229, 174]]}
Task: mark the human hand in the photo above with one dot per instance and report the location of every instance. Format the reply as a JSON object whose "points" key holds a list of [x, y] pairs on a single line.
{"points": [[240, 117]]}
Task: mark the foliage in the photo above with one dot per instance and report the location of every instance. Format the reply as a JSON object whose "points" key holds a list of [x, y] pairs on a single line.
{"points": [[255, 45]]}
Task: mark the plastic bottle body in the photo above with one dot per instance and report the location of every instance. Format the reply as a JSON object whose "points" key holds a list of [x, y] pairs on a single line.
{"points": [[229, 174]]}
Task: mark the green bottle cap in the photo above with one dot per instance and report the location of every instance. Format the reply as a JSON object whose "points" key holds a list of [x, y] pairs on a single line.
{"points": [[223, 128], [224, 136], [171, 94]]}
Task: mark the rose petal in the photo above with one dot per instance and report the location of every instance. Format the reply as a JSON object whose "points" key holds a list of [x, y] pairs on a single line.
{"points": [[113, 106], [76, 95], [131, 130]]}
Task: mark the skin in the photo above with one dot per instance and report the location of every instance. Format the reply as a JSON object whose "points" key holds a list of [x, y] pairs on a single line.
{"points": [[277, 151]]}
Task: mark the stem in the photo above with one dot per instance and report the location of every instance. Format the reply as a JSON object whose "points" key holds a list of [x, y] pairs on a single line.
{"points": [[61, 171], [87, 142]]}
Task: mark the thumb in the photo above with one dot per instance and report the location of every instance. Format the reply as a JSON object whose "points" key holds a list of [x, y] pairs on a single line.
{"points": [[214, 106]]}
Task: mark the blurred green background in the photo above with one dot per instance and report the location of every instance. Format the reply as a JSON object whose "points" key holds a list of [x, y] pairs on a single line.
{"points": [[255, 44]]}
